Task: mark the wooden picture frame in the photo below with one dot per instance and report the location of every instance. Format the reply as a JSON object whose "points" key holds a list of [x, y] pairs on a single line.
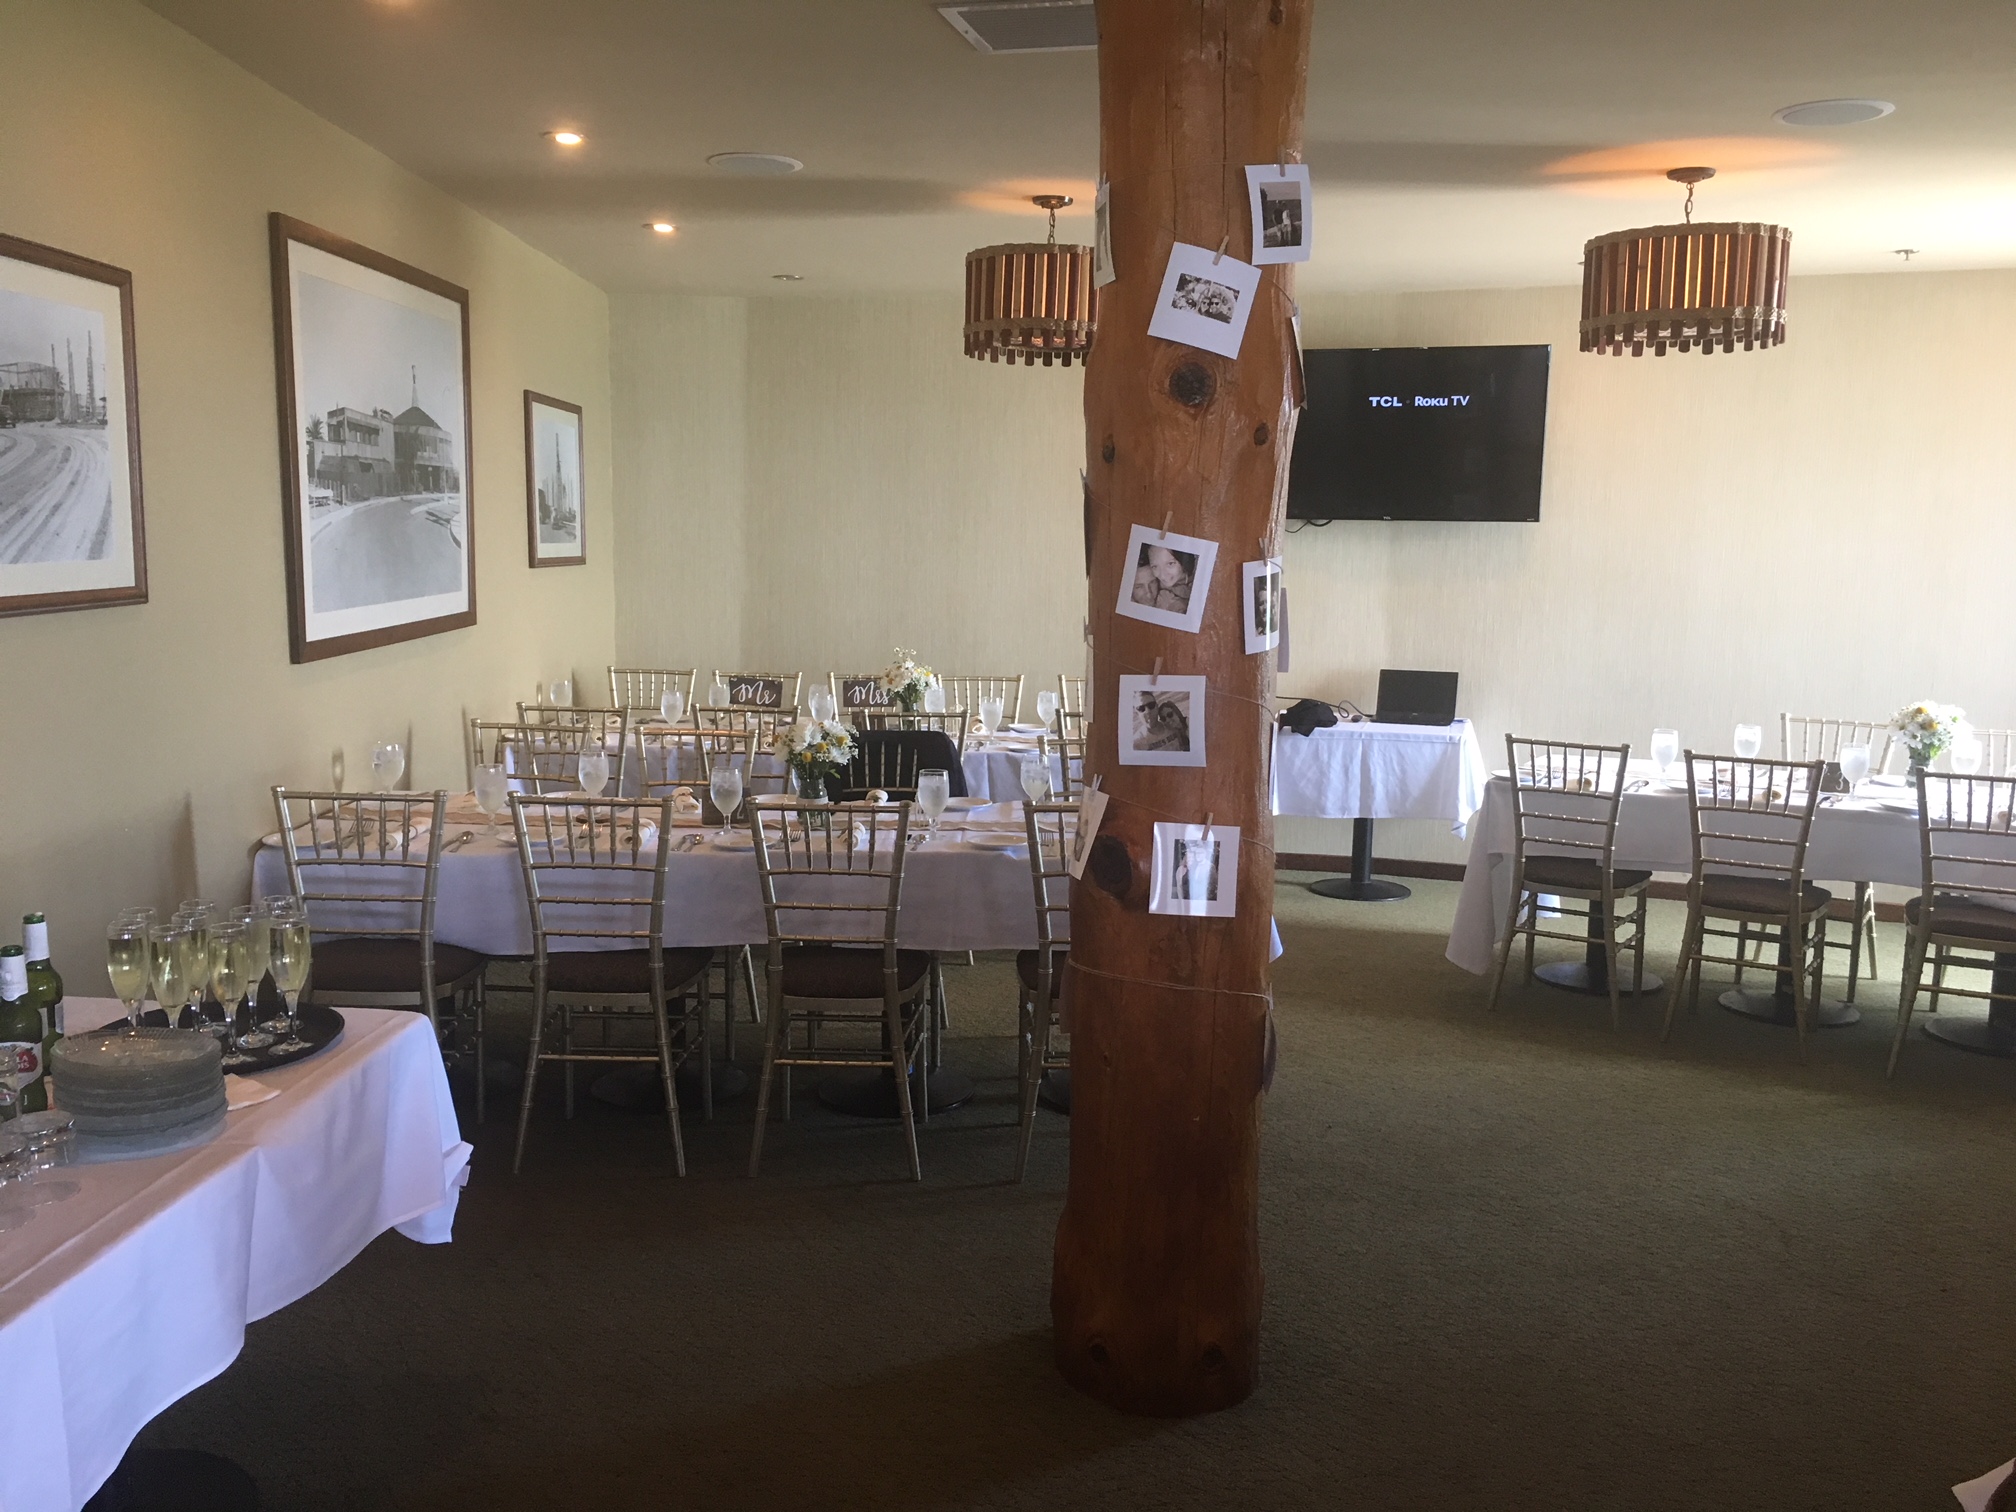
{"points": [[350, 328], [70, 460], [554, 481]]}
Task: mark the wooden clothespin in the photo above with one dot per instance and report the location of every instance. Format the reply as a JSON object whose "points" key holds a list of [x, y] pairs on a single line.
{"points": [[1208, 819], [1167, 516], [1223, 242]]}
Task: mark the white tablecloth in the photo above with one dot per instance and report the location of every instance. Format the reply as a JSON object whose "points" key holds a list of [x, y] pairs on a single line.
{"points": [[1852, 841], [137, 1289], [994, 769], [1380, 771]]}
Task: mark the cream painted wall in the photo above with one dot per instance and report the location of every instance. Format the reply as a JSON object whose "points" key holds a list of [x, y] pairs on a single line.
{"points": [[137, 744]]}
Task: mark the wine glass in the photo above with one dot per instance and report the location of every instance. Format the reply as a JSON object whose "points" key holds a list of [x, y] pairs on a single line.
{"points": [[1854, 759], [168, 945], [257, 924], [672, 706], [227, 980], [388, 761], [493, 791], [990, 714], [1035, 775], [934, 697], [1046, 708], [129, 960], [1964, 756], [594, 769], [934, 791], [717, 692], [290, 957], [819, 703], [724, 786], [1665, 749], [1749, 741]]}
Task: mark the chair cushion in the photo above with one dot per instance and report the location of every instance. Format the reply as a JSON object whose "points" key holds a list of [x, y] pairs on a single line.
{"points": [[385, 964], [847, 971], [620, 972], [1953, 915], [1760, 895], [1580, 872], [1028, 962]]}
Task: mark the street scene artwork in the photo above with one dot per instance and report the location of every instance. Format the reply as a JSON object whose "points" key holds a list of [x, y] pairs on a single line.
{"points": [[378, 417], [70, 533], [553, 505]]}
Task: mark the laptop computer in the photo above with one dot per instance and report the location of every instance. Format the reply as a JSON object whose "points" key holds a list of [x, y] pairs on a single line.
{"points": [[1416, 698]]}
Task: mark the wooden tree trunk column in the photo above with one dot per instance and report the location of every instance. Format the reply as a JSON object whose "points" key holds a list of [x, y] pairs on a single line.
{"points": [[1156, 1291]]}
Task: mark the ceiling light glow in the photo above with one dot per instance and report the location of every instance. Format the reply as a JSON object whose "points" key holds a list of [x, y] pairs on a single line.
{"points": [[663, 228], [567, 138]]}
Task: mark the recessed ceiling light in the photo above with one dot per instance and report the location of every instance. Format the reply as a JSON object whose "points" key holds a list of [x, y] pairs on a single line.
{"points": [[789, 277], [754, 164], [566, 138], [1832, 112], [663, 228]]}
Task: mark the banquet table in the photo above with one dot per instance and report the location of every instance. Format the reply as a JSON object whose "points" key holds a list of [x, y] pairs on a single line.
{"points": [[993, 766], [1366, 771], [135, 1288]]}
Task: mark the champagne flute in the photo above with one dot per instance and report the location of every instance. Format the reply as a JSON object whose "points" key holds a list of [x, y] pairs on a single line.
{"points": [[934, 791], [990, 714], [1035, 775], [129, 961], [724, 786], [1665, 749], [1046, 707], [169, 967], [257, 924], [594, 771], [279, 907], [292, 951], [196, 947], [388, 762], [672, 706], [1749, 741], [493, 792], [227, 978]]}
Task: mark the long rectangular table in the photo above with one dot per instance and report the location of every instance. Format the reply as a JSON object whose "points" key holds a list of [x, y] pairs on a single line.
{"points": [[136, 1288]]}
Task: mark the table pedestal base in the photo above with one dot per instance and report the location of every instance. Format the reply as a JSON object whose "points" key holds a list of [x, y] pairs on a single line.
{"points": [[635, 1089], [175, 1480], [872, 1094], [1776, 1008], [1359, 887], [1579, 976], [1982, 1036], [1054, 1091]]}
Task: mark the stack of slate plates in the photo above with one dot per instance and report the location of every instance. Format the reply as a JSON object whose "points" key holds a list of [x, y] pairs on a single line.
{"points": [[140, 1093]]}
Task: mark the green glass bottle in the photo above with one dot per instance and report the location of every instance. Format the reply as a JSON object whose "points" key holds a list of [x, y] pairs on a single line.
{"points": [[45, 990], [20, 1030]]}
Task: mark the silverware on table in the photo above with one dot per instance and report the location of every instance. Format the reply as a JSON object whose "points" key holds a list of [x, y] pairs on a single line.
{"points": [[459, 841]]}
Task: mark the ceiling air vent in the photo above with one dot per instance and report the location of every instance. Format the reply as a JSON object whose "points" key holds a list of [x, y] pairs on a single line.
{"points": [[1025, 26]]}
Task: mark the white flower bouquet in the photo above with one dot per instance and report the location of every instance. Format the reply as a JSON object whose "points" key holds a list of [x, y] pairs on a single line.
{"points": [[815, 749], [1927, 728], [905, 680]]}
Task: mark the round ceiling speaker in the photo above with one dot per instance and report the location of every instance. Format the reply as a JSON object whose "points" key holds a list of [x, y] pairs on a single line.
{"points": [[754, 164], [1832, 112]]}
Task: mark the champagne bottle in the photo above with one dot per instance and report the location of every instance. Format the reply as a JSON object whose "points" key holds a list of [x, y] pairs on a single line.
{"points": [[45, 990], [20, 1029]]}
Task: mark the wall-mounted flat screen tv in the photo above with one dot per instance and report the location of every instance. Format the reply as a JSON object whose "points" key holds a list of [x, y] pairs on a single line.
{"points": [[1420, 433]]}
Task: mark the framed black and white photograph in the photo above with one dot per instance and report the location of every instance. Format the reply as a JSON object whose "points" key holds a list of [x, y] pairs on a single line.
{"points": [[555, 518], [1166, 577], [1205, 300], [1196, 871], [1162, 721], [72, 534], [1260, 593], [373, 360], [1102, 236], [1091, 810], [1279, 196]]}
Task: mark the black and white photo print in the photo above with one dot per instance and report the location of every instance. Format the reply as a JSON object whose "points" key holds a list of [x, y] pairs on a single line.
{"points": [[1103, 271], [1260, 585], [1166, 577], [1162, 721], [1205, 301], [1279, 196], [1195, 871]]}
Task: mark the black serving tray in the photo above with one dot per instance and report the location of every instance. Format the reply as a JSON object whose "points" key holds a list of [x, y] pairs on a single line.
{"points": [[320, 1028]]}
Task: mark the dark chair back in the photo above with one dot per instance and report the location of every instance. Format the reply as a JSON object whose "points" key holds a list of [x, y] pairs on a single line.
{"points": [[891, 760]]}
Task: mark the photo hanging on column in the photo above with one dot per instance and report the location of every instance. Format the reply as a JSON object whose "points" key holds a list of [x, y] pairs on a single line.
{"points": [[1260, 592], [1166, 577], [1279, 194], [1162, 721], [1205, 300], [1103, 271], [1091, 809], [1196, 871]]}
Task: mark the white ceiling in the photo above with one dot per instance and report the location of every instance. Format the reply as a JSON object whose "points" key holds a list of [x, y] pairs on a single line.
{"points": [[1455, 143]]}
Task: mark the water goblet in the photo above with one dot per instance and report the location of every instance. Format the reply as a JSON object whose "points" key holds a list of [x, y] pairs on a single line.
{"points": [[934, 791], [1854, 759], [990, 714], [724, 786], [934, 697], [1964, 755], [1749, 741], [1046, 708], [561, 694], [717, 692], [388, 762], [1665, 749], [493, 792], [819, 703], [129, 961], [594, 771], [672, 706], [1035, 775]]}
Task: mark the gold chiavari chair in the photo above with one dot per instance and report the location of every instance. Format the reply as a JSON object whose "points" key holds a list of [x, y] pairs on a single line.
{"points": [[1071, 692], [546, 758], [966, 693], [765, 771], [1040, 972], [1805, 737], [1565, 799], [595, 885], [832, 889], [794, 687], [953, 724], [1998, 752], [1064, 756], [1965, 915], [640, 689], [1751, 820], [366, 869]]}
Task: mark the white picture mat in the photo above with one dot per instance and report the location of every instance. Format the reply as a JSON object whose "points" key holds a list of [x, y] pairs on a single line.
{"points": [[1091, 809], [1192, 273], [1103, 271], [1181, 852], [556, 435], [1204, 554], [317, 392], [1186, 694], [116, 568], [1261, 635], [1262, 178]]}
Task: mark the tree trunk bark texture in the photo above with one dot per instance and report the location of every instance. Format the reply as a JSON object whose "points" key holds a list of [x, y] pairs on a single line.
{"points": [[1156, 1290]]}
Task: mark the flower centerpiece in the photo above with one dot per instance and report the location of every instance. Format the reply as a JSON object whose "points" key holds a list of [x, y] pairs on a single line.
{"points": [[815, 749], [905, 680], [1927, 728]]}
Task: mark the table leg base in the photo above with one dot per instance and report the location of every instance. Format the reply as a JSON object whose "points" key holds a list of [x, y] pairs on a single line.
{"points": [[1975, 1034], [1354, 891], [1054, 1091], [635, 1089], [872, 1094], [175, 1480], [1575, 976], [1772, 1009]]}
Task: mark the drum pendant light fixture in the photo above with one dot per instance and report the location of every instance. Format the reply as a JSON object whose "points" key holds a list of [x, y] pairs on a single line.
{"points": [[1031, 299], [1715, 284]]}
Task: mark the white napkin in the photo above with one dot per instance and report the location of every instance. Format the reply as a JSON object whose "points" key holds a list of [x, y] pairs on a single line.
{"points": [[243, 1092], [1974, 1494]]}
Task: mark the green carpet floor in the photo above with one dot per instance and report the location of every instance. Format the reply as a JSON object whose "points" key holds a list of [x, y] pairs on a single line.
{"points": [[1513, 1261]]}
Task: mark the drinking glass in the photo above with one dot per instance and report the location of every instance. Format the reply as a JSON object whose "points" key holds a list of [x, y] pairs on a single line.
{"points": [[1749, 741], [672, 706], [493, 791], [197, 930], [388, 761], [227, 980], [819, 703], [1046, 708], [724, 786], [561, 694], [1854, 761], [934, 697], [717, 693], [1965, 755], [594, 770], [168, 945], [257, 924], [291, 952], [990, 714], [278, 908], [1035, 775], [1665, 749], [128, 962], [934, 791]]}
